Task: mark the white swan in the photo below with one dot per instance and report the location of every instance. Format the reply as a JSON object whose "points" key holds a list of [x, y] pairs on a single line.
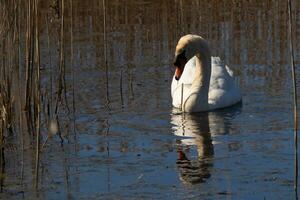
{"points": [[201, 82]]}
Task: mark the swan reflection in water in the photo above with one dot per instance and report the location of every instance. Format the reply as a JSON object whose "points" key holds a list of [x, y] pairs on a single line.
{"points": [[195, 143]]}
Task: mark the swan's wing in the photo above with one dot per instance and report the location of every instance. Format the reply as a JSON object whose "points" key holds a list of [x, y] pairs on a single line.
{"points": [[221, 75], [223, 90]]}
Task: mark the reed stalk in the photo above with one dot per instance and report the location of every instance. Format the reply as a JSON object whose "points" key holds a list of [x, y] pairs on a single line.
{"points": [[29, 66], [295, 105], [2, 160], [60, 84], [2, 107], [182, 31], [27, 55], [105, 52], [121, 88], [131, 84], [73, 73], [62, 72], [19, 72], [181, 99], [51, 71], [38, 93]]}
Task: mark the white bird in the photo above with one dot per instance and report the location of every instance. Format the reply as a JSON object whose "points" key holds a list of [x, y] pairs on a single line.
{"points": [[201, 82]]}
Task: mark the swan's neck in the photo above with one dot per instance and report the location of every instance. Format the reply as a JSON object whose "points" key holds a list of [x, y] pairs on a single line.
{"points": [[202, 74], [198, 98]]}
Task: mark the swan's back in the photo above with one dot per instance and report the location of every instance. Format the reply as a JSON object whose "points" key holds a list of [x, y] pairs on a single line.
{"points": [[223, 91]]}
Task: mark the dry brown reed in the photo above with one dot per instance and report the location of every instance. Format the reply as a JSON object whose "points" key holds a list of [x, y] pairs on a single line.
{"points": [[8, 73], [37, 92], [21, 88]]}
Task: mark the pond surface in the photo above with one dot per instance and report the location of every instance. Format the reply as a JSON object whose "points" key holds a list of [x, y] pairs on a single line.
{"points": [[128, 143]]}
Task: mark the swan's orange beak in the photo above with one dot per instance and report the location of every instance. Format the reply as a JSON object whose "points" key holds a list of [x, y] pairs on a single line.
{"points": [[178, 72], [179, 68]]}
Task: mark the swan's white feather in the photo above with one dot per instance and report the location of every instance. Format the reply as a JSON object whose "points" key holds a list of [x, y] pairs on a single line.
{"points": [[223, 91]]}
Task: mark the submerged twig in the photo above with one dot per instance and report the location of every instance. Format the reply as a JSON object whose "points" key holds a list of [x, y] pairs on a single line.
{"points": [[181, 101]]}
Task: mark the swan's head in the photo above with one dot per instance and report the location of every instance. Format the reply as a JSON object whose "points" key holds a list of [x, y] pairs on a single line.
{"points": [[187, 47]]}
